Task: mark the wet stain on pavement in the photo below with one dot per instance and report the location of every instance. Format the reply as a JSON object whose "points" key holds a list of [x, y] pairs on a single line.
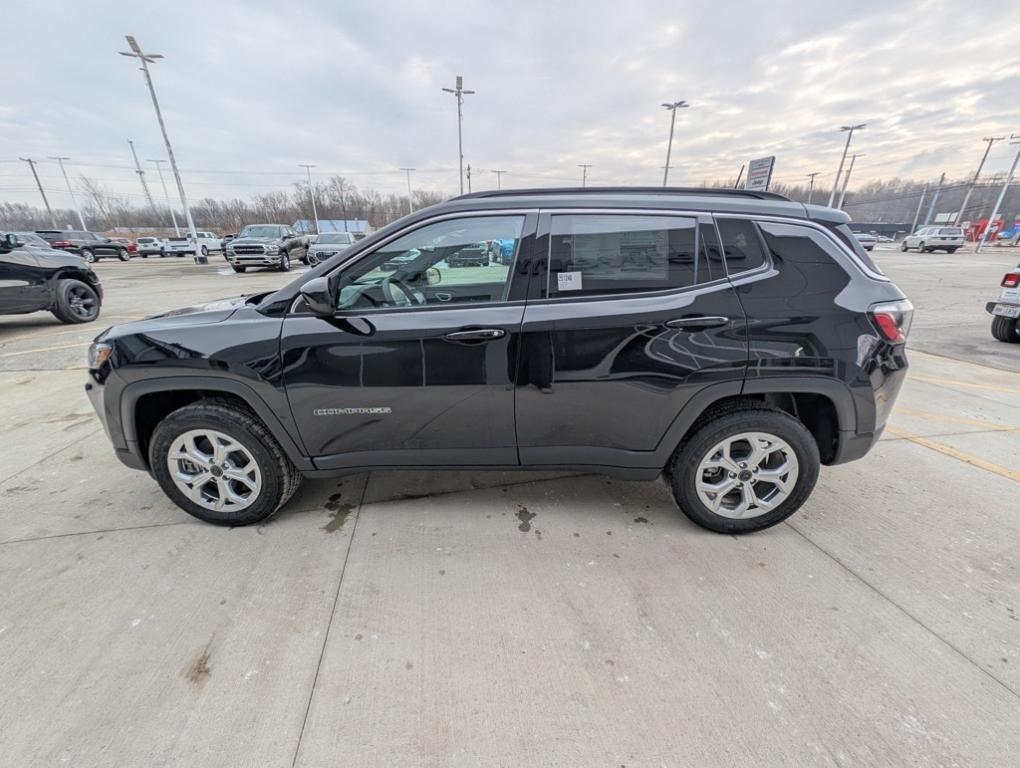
{"points": [[525, 517], [199, 670], [640, 519], [337, 516]]}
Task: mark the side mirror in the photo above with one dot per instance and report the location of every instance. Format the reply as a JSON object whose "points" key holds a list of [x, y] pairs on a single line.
{"points": [[318, 295], [8, 243], [433, 276]]}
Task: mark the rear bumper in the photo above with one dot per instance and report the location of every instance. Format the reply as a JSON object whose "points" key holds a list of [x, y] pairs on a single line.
{"points": [[991, 305]]}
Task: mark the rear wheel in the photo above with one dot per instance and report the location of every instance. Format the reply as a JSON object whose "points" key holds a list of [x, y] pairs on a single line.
{"points": [[744, 471], [1006, 329], [218, 462], [77, 302]]}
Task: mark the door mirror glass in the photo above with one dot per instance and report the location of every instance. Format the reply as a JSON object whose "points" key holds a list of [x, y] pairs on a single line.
{"points": [[318, 296], [8, 243]]}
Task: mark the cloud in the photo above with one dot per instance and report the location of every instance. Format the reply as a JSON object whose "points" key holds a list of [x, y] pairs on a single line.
{"points": [[250, 89]]}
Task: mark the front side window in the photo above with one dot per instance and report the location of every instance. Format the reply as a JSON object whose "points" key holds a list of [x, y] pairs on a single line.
{"points": [[741, 244], [595, 254], [457, 261]]}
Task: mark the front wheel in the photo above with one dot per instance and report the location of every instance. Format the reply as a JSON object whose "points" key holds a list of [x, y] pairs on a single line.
{"points": [[745, 471], [88, 255], [1006, 329], [238, 268], [77, 302], [205, 251], [123, 255], [284, 265], [903, 246], [219, 463], [312, 260]]}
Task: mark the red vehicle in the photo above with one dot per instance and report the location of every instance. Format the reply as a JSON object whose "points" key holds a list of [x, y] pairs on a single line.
{"points": [[131, 245]]}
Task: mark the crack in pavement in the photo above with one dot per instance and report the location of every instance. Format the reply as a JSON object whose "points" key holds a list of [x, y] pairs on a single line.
{"points": [[958, 651]]}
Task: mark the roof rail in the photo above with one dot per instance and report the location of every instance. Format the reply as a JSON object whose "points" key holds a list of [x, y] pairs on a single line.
{"points": [[701, 191]]}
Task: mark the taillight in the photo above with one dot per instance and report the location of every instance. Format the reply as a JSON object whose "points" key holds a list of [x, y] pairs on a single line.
{"points": [[61, 243], [892, 320], [1011, 280]]}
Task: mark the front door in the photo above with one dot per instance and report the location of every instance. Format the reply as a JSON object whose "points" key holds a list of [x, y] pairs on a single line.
{"points": [[634, 317], [417, 367], [23, 284]]}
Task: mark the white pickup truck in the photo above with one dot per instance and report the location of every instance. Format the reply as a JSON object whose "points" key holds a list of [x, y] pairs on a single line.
{"points": [[206, 243]]}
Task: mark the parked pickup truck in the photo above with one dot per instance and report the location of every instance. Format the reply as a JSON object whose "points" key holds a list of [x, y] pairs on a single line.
{"points": [[205, 244], [265, 245]]}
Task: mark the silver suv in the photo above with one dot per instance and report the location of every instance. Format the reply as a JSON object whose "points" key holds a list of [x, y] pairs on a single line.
{"points": [[928, 239]]}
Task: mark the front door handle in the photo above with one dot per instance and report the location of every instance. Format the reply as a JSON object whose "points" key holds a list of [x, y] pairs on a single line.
{"points": [[697, 323], [477, 335]]}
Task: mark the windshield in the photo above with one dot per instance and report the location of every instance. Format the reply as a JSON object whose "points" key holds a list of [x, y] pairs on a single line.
{"points": [[260, 230], [334, 238]]}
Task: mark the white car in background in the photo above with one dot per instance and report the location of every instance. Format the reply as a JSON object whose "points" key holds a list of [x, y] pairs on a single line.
{"points": [[328, 244], [867, 240], [928, 239], [206, 243], [150, 246]]}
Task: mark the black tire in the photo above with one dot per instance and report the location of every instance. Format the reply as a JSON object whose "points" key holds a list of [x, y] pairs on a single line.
{"points": [[77, 302], [683, 467], [87, 254], [237, 268], [205, 251], [921, 248], [903, 246], [284, 265], [1006, 329], [279, 477], [123, 254], [951, 250]]}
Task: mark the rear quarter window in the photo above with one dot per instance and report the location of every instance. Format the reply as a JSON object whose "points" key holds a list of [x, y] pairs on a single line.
{"points": [[741, 244], [845, 236]]}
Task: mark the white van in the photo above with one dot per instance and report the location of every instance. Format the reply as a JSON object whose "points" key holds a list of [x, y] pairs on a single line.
{"points": [[207, 243]]}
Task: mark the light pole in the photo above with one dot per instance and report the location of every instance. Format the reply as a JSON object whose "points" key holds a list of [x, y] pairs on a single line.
{"points": [[74, 200], [499, 178], [811, 186], [850, 129], [460, 93], [846, 179], [672, 107], [146, 59], [410, 208], [966, 198], [162, 181], [31, 164], [584, 173], [311, 192], [141, 176], [1002, 194]]}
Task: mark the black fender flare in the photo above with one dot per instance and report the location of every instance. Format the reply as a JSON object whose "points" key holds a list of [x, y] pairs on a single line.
{"points": [[134, 391]]}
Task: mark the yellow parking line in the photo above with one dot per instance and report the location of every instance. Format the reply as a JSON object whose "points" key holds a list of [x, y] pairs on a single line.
{"points": [[990, 426], [963, 456], [45, 349], [969, 385]]}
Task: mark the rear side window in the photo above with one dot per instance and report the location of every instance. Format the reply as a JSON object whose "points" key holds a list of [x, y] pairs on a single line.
{"points": [[594, 255], [741, 244]]}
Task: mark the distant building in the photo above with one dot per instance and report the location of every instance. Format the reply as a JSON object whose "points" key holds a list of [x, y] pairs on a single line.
{"points": [[307, 226]]}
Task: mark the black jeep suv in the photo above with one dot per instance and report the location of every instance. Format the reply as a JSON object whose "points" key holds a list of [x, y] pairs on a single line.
{"points": [[88, 245], [34, 279], [732, 341]]}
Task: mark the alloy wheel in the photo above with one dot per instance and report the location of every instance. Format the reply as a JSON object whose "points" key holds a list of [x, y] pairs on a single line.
{"points": [[214, 470], [82, 302], [747, 475]]}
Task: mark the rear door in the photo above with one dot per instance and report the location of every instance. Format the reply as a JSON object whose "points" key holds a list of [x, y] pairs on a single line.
{"points": [[417, 366], [632, 318]]}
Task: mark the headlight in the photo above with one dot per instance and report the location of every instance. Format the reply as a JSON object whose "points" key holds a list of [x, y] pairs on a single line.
{"points": [[99, 353]]}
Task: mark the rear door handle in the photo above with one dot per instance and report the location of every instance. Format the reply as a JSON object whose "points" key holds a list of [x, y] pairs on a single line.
{"points": [[477, 335], [697, 323]]}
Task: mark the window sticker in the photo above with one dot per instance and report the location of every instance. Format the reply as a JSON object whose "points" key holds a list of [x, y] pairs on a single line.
{"points": [[568, 281]]}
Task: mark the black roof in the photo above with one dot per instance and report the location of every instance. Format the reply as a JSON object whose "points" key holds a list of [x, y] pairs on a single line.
{"points": [[672, 191]]}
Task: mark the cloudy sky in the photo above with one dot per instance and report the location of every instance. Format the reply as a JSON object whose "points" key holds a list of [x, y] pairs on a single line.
{"points": [[250, 89]]}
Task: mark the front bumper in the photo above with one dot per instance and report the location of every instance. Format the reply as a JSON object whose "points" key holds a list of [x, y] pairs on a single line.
{"points": [[254, 259]]}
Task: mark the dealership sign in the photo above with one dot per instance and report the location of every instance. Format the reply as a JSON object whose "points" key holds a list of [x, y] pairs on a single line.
{"points": [[759, 174]]}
